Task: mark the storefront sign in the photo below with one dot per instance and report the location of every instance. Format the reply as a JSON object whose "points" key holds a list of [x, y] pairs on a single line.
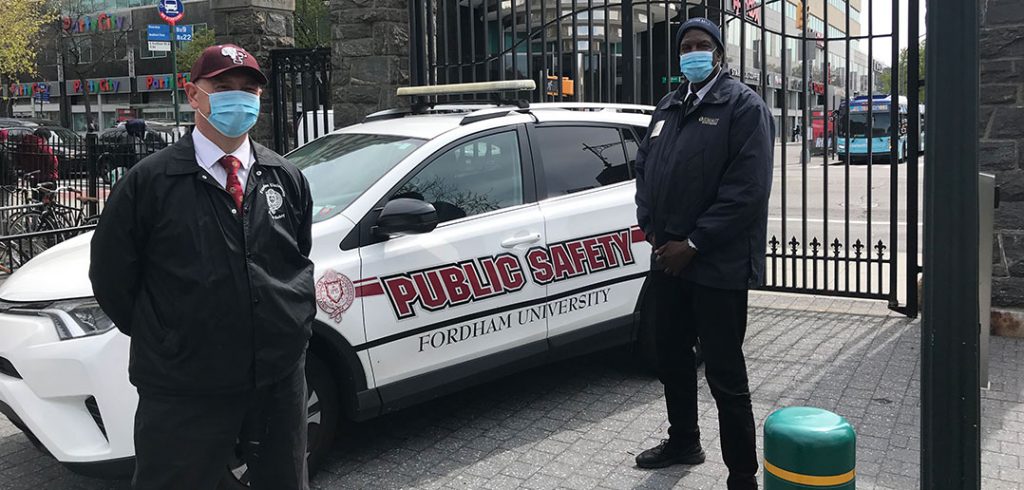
{"points": [[161, 83], [30, 89], [102, 22], [753, 8], [114, 85]]}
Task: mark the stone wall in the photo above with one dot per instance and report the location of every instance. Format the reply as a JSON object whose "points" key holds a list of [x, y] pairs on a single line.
{"points": [[1001, 149], [258, 26], [370, 56]]}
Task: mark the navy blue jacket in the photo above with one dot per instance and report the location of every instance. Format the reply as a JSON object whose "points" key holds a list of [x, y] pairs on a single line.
{"points": [[706, 176]]}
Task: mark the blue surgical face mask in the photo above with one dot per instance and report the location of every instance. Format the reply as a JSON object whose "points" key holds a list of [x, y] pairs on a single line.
{"points": [[696, 66], [233, 112]]}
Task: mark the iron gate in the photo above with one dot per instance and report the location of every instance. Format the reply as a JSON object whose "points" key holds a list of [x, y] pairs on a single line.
{"points": [[826, 235], [300, 91]]}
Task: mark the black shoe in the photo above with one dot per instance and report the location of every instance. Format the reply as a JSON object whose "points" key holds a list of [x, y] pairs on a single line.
{"points": [[668, 454]]}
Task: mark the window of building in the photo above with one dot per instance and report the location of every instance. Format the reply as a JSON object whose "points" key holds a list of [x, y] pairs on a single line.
{"points": [[579, 158], [144, 52], [854, 14], [839, 4], [121, 48], [835, 32], [775, 5], [790, 10], [80, 49], [473, 178], [815, 24]]}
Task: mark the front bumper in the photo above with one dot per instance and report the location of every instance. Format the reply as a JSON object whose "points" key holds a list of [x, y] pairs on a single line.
{"points": [[72, 396]]}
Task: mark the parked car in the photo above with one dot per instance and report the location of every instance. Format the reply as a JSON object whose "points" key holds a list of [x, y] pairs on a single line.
{"points": [[67, 146], [451, 247], [8, 122]]}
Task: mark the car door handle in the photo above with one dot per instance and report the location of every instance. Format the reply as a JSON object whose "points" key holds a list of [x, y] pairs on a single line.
{"points": [[521, 240]]}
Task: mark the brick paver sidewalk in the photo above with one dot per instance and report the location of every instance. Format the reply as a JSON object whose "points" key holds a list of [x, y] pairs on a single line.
{"points": [[579, 423]]}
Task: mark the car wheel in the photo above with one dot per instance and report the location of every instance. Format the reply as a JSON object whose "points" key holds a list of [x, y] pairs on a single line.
{"points": [[323, 416]]}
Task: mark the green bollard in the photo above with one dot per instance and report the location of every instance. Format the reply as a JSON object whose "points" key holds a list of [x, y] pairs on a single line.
{"points": [[809, 448]]}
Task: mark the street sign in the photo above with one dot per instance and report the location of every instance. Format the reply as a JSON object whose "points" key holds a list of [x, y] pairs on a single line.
{"points": [[171, 11], [158, 32], [183, 33], [159, 46]]}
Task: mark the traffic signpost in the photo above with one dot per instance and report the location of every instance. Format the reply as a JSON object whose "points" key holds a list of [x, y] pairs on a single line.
{"points": [[172, 11]]}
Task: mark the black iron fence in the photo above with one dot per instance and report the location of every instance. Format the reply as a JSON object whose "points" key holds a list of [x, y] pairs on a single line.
{"points": [[838, 225], [54, 182], [300, 92]]}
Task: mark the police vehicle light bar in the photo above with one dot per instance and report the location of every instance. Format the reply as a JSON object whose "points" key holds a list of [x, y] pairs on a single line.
{"points": [[470, 88]]}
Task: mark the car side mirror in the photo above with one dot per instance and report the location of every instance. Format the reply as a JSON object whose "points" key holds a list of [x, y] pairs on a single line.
{"points": [[405, 216]]}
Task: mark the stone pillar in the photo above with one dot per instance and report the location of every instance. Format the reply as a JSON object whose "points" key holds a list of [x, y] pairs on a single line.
{"points": [[1001, 149], [370, 56], [258, 26]]}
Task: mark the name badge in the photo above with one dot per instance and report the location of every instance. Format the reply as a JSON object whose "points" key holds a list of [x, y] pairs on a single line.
{"points": [[709, 121], [657, 128]]}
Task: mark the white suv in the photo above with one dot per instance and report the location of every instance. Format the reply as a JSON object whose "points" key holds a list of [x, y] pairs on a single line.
{"points": [[451, 246]]}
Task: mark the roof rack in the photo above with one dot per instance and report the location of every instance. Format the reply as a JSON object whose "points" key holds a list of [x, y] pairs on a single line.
{"points": [[421, 105], [494, 108]]}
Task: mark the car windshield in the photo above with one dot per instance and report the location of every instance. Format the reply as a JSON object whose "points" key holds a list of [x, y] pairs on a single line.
{"points": [[859, 124], [340, 167]]}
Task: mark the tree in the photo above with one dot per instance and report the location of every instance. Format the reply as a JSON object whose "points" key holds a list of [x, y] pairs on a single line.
{"points": [[82, 54], [189, 52], [23, 22], [312, 24], [885, 78]]}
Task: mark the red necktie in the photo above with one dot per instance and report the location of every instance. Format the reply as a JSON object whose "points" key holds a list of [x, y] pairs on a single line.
{"points": [[234, 186]]}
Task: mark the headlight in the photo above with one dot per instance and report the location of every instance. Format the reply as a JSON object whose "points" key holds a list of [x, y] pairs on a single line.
{"points": [[77, 318]]}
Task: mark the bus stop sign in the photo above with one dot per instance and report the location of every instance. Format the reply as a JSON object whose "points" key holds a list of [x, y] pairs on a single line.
{"points": [[171, 11]]}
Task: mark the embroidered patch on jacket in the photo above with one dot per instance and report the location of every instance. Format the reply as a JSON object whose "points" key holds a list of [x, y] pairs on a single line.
{"points": [[710, 121], [335, 294], [274, 195]]}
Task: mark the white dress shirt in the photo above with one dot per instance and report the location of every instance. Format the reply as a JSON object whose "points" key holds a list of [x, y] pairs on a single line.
{"points": [[208, 156], [705, 89]]}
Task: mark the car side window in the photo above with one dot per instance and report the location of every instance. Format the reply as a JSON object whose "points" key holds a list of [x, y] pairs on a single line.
{"points": [[579, 158], [478, 176]]}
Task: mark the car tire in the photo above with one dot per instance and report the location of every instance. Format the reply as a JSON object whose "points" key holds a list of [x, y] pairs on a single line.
{"points": [[324, 414]]}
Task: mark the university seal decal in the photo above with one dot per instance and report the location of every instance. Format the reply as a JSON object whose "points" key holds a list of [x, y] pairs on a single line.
{"points": [[275, 199], [335, 294]]}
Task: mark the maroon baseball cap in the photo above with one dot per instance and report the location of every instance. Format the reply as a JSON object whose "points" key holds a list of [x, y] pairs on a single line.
{"points": [[221, 58]]}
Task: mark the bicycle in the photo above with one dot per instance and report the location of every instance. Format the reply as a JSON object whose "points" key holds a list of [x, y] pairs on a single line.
{"points": [[48, 215]]}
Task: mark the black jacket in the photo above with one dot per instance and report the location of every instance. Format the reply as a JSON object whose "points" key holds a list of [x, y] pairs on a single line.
{"points": [[706, 175], [213, 302]]}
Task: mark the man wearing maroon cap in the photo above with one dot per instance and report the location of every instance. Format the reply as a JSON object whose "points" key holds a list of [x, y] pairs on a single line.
{"points": [[201, 257]]}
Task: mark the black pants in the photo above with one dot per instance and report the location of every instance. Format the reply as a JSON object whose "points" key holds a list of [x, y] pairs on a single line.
{"points": [[187, 442], [685, 312]]}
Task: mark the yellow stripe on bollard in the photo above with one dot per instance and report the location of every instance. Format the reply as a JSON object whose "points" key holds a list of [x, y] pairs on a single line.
{"points": [[814, 481]]}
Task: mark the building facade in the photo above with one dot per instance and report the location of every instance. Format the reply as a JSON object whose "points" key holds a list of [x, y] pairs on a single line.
{"points": [[102, 50]]}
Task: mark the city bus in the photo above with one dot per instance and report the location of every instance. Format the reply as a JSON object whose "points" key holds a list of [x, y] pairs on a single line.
{"points": [[880, 128]]}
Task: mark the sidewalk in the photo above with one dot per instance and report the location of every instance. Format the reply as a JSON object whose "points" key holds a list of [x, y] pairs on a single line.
{"points": [[579, 423]]}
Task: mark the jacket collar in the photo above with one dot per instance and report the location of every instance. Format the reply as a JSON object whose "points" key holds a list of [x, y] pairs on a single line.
{"points": [[719, 92], [182, 156]]}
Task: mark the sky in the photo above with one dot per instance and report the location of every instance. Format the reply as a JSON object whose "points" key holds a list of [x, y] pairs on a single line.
{"points": [[882, 19]]}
